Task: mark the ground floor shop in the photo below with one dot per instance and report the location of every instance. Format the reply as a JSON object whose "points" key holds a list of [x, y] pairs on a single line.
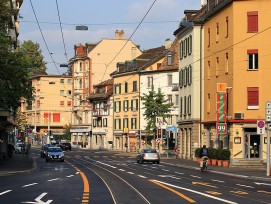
{"points": [[129, 142], [81, 137]]}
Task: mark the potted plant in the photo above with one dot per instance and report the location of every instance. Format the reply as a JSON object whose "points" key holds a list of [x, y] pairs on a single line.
{"points": [[224, 156], [213, 155], [197, 154]]}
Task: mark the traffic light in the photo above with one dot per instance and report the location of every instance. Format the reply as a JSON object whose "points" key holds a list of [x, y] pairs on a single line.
{"points": [[159, 131]]}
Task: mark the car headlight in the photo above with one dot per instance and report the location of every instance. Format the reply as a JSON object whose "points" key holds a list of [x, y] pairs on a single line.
{"points": [[50, 155], [62, 155]]}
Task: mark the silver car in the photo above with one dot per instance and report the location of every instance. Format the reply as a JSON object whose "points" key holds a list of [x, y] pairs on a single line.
{"points": [[54, 153], [148, 155]]}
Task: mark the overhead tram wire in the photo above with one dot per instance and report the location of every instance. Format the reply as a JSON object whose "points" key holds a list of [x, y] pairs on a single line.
{"points": [[44, 38], [129, 38], [62, 35]]}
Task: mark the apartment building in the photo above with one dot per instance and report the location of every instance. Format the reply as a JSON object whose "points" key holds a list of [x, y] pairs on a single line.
{"points": [[91, 65], [236, 76], [51, 110], [191, 35]]}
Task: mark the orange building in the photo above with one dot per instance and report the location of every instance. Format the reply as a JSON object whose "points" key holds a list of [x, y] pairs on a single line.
{"points": [[236, 37]]}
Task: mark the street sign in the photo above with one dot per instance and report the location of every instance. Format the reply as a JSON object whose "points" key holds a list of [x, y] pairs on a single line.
{"points": [[221, 128], [157, 141], [171, 129], [268, 111], [260, 127]]}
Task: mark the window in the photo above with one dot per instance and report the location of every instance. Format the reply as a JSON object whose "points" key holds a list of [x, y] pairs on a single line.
{"points": [[150, 82], [252, 59], [99, 122], [181, 78], [252, 22], [69, 103], [81, 66], [217, 32], [189, 75], [104, 122], [227, 27], [56, 117], [208, 70], [117, 106], [189, 105], [169, 59], [176, 99], [125, 123], [80, 83], [62, 81], [169, 98], [94, 121], [253, 97], [125, 105], [117, 89], [133, 123], [184, 106], [61, 92], [134, 104], [181, 50], [209, 103], [185, 48], [117, 124], [185, 77], [134, 85], [217, 67], [209, 37], [126, 87], [69, 92], [61, 103], [227, 63], [169, 80], [181, 106], [190, 44], [158, 66], [38, 103]]}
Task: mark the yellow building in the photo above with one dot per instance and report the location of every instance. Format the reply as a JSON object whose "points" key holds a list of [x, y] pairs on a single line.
{"points": [[236, 67], [51, 108]]}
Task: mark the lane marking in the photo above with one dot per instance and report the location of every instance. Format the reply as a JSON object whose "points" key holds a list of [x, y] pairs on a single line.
{"points": [[267, 192], [106, 164], [264, 184], [165, 169], [130, 172], [142, 176], [121, 169], [239, 192], [69, 176], [31, 184], [244, 186], [195, 176], [197, 192], [213, 192], [54, 179], [174, 191], [203, 184], [178, 172], [218, 181], [5, 192]]}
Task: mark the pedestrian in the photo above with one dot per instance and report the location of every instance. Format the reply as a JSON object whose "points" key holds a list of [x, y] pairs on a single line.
{"points": [[126, 147]]}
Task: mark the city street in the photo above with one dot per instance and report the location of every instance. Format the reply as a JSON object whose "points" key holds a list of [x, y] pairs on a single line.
{"points": [[110, 177]]}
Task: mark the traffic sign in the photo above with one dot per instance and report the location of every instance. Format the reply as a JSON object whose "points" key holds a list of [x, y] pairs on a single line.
{"points": [[260, 127], [159, 121], [268, 111], [171, 129]]}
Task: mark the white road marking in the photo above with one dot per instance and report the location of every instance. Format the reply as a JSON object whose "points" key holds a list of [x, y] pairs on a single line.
{"points": [[244, 186], [130, 173], [264, 184], [39, 201], [5, 192], [142, 176], [121, 169], [77, 173], [197, 192], [32, 184], [53, 179], [218, 181], [154, 167], [178, 172], [106, 164], [165, 169], [195, 176], [69, 176]]}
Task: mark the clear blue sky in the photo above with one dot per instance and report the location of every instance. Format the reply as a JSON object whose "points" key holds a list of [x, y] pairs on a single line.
{"points": [[102, 17]]}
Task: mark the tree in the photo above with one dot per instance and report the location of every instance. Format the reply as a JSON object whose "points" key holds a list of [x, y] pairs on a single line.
{"points": [[155, 105]]}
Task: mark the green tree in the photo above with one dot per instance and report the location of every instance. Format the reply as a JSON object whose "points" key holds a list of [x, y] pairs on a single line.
{"points": [[155, 105]]}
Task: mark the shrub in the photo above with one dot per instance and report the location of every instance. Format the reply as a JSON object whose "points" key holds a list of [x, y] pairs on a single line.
{"points": [[213, 153], [197, 152], [224, 154]]}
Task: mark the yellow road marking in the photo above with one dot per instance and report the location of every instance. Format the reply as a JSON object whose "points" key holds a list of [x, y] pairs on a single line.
{"points": [[239, 192], [204, 184], [267, 192], [174, 191], [213, 192]]}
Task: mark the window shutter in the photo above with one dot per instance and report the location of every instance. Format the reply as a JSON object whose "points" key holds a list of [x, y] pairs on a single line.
{"points": [[252, 21], [253, 96], [56, 117]]}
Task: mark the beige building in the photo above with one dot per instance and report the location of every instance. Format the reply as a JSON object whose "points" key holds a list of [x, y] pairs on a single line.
{"points": [[51, 109], [236, 45], [91, 65]]}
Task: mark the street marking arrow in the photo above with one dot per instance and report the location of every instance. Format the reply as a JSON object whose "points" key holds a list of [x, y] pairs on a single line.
{"points": [[39, 201], [204, 184]]}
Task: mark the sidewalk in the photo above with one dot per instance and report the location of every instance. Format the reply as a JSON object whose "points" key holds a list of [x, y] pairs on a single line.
{"points": [[23, 164]]}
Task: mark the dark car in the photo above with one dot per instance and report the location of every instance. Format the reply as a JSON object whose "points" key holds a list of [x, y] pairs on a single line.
{"points": [[148, 155], [65, 146], [44, 149], [54, 153]]}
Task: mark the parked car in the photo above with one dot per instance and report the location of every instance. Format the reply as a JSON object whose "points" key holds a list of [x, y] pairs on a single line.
{"points": [[65, 146], [44, 149], [54, 153], [148, 155]]}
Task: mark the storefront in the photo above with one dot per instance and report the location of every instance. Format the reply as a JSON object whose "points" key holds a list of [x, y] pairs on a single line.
{"points": [[81, 137]]}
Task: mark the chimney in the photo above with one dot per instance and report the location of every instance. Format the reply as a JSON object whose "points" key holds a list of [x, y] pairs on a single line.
{"points": [[119, 35], [168, 43]]}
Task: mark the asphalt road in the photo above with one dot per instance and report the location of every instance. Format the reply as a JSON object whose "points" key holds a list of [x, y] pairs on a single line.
{"points": [[107, 177]]}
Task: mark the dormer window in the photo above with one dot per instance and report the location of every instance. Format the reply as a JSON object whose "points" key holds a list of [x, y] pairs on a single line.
{"points": [[169, 59]]}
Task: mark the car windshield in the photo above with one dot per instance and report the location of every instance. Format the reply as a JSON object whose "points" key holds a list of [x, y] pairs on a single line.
{"points": [[54, 149], [149, 151]]}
